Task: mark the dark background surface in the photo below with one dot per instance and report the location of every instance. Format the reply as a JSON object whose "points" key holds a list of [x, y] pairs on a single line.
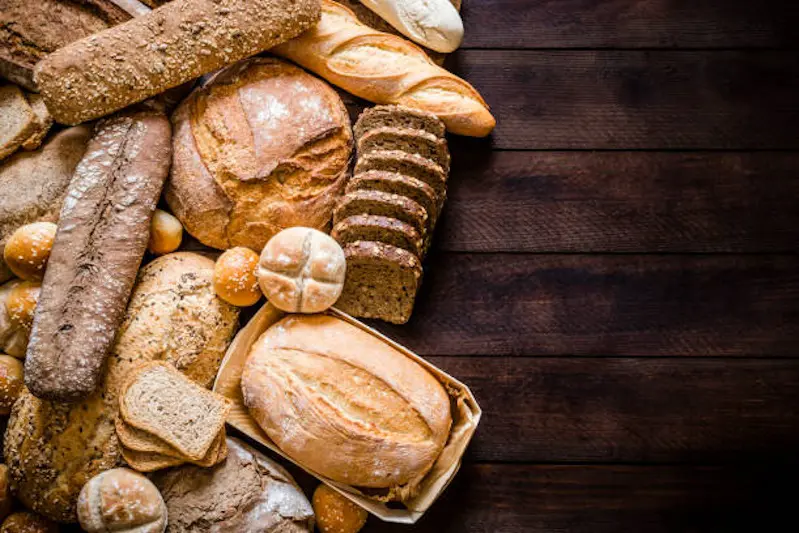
{"points": [[616, 274]]}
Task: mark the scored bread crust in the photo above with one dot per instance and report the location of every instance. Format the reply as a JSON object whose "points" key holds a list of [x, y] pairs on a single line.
{"points": [[260, 147]]}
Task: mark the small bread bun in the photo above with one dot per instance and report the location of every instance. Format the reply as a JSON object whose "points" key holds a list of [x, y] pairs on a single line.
{"points": [[11, 382], [302, 270], [27, 522], [21, 304], [28, 249], [166, 233], [335, 513], [6, 501], [121, 500], [234, 277]]}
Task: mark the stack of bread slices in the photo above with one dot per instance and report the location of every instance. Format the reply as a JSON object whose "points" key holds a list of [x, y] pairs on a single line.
{"points": [[386, 218], [167, 420]]}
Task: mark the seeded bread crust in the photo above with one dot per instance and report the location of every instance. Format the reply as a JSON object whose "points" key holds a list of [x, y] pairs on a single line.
{"points": [[411, 165], [394, 183], [379, 229], [397, 116], [362, 202], [417, 142]]}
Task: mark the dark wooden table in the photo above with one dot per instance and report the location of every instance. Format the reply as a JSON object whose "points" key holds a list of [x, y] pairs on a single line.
{"points": [[616, 274]]}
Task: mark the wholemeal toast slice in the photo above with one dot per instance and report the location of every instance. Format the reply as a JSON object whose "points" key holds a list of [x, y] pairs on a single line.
{"points": [[417, 142], [380, 203], [160, 400], [379, 229], [394, 183], [17, 120], [148, 461], [382, 281], [411, 165], [397, 116], [43, 122], [140, 441]]}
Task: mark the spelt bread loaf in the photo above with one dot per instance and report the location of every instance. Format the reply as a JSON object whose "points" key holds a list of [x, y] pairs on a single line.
{"points": [[397, 116], [34, 183], [246, 493], [362, 202], [52, 448], [261, 147], [417, 142], [162, 49], [394, 183], [17, 120], [345, 404], [103, 231], [407, 164], [380, 229]]}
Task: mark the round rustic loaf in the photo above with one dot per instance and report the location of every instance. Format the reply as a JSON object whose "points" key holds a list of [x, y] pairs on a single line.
{"points": [[302, 270], [262, 146], [122, 501], [345, 404], [52, 449]]}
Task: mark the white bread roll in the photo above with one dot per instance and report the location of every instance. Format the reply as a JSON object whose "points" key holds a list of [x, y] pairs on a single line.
{"points": [[234, 277], [166, 233], [435, 24], [28, 249], [122, 501]]}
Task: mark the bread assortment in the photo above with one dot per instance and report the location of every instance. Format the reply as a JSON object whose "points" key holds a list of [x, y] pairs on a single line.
{"points": [[110, 337]]}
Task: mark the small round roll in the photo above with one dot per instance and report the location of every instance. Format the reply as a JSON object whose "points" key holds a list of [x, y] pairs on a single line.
{"points": [[234, 277], [27, 522], [12, 380], [28, 249], [6, 501], [21, 304], [122, 501], [166, 233], [335, 513]]}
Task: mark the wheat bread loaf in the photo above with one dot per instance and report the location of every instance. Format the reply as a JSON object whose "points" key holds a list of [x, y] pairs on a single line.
{"points": [[397, 116], [361, 202], [406, 164], [416, 142], [379, 229], [394, 183]]}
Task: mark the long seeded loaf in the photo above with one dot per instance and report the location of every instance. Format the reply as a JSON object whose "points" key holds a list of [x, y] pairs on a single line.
{"points": [[362, 202], [417, 142], [411, 165], [379, 229], [397, 116]]}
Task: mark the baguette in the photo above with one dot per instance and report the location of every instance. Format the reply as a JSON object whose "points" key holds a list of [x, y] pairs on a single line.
{"points": [[169, 46], [386, 69], [102, 234]]}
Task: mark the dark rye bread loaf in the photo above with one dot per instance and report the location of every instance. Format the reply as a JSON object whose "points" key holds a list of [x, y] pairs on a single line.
{"points": [[417, 142], [379, 229], [391, 182], [411, 165], [102, 234], [382, 281], [383, 204], [397, 116]]}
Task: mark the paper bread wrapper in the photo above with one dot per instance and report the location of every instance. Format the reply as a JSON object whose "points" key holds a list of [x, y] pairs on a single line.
{"points": [[465, 417]]}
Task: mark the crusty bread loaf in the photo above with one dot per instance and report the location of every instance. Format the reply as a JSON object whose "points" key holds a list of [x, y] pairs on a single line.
{"points": [[169, 46], [263, 146], [246, 493], [52, 449], [102, 235], [345, 404], [386, 69], [34, 183], [122, 501]]}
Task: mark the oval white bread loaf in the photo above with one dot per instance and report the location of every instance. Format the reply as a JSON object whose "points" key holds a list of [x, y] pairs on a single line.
{"points": [[386, 69], [435, 24], [346, 404]]}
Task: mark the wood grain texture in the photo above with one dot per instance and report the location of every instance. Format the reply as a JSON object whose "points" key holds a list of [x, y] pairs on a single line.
{"points": [[630, 24], [668, 410], [526, 304], [637, 100], [620, 202]]}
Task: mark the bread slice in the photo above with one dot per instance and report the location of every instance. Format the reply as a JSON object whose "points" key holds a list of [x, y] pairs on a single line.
{"points": [[394, 183], [148, 461], [397, 116], [382, 281], [407, 164], [379, 229], [383, 204], [43, 122], [160, 400], [17, 120], [140, 441], [417, 142]]}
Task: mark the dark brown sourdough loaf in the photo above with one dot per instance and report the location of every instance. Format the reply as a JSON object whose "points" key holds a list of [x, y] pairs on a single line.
{"points": [[102, 234]]}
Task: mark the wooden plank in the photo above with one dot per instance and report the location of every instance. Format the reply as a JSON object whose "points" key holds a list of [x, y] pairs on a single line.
{"points": [[521, 304], [591, 499], [636, 99], [630, 24], [665, 410], [621, 202]]}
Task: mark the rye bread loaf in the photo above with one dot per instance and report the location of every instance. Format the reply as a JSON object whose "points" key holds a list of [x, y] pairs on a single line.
{"points": [[248, 492], [397, 116], [34, 183], [362, 202], [411, 165], [417, 142], [17, 120], [52, 448], [102, 234], [394, 183], [379, 229], [162, 49], [382, 282]]}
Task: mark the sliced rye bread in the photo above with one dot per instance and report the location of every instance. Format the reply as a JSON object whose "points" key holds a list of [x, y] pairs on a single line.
{"points": [[17, 120], [411, 165], [382, 281], [394, 183], [160, 400], [397, 116], [417, 142], [148, 461], [379, 229], [383, 204], [43, 122], [141, 441]]}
